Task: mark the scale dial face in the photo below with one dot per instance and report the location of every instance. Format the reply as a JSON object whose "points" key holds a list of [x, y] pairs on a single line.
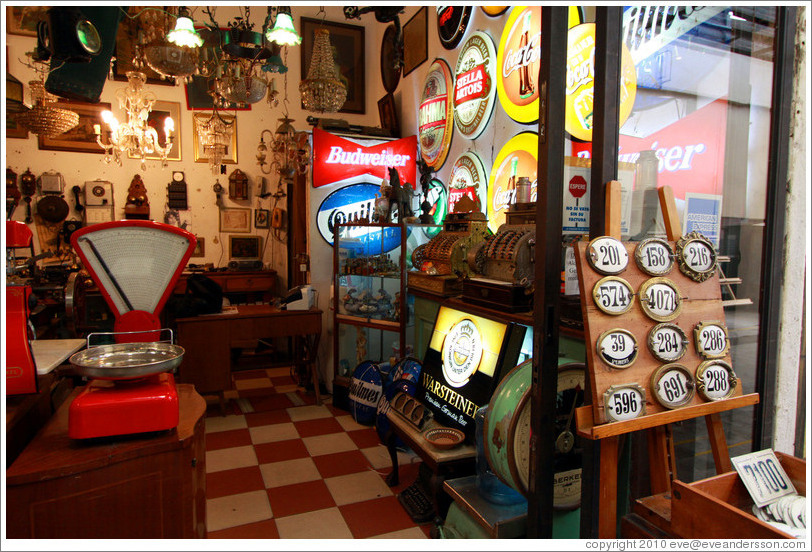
{"points": [[667, 342], [177, 176], [660, 299], [715, 380], [711, 340], [613, 295], [88, 36], [607, 255], [567, 460], [654, 256], [617, 348], [673, 385]]}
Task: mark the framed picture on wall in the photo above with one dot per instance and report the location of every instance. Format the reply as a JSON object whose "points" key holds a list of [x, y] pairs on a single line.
{"points": [[22, 20], [200, 247], [200, 119], [82, 137], [14, 129], [348, 50], [160, 111], [262, 219], [388, 115], [244, 247], [415, 41], [236, 219]]}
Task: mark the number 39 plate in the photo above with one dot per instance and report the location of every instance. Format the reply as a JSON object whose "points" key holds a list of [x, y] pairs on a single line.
{"points": [[624, 402]]}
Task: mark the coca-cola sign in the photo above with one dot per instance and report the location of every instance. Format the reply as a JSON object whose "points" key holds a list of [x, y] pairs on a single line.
{"points": [[468, 178], [517, 158], [435, 119], [518, 63], [338, 160], [581, 81], [473, 90], [452, 22]]}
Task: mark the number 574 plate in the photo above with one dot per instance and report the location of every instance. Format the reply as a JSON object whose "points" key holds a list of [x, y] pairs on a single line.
{"points": [[764, 477]]}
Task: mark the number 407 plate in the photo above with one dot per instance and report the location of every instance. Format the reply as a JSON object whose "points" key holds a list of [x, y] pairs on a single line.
{"points": [[764, 477]]}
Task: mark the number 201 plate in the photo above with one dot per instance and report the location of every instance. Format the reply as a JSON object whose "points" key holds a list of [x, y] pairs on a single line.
{"points": [[624, 402], [607, 255]]}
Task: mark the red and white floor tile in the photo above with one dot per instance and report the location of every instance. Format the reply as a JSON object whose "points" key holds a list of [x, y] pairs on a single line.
{"points": [[278, 466]]}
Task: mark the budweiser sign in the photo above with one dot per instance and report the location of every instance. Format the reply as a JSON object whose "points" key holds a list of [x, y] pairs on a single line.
{"points": [[473, 90], [337, 160]]}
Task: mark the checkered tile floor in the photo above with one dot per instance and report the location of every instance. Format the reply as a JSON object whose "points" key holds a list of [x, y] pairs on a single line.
{"points": [[278, 466]]}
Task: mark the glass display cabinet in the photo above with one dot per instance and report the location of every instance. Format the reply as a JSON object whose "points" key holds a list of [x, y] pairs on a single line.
{"points": [[373, 316]]}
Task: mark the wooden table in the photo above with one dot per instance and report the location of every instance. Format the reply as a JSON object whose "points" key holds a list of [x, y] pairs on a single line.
{"points": [[208, 340], [145, 486]]}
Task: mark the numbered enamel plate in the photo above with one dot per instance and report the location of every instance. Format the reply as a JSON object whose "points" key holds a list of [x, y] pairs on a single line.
{"points": [[715, 380], [613, 295], [624, 402], [654, 256], [667, 342], [711, 339], [696, 257], [673, 385], [660, 299], [607, 255], [617, 348]]}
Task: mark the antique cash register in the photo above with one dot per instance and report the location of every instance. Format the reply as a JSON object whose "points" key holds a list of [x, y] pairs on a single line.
{"points": [[502, 269], [441, 262]]}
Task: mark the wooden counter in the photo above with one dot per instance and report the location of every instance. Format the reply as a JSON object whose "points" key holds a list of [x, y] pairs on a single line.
{"points": [[145, 486]]}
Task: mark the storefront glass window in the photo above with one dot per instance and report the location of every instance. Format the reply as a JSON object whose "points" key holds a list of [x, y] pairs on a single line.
{"points": [[697, 119]]}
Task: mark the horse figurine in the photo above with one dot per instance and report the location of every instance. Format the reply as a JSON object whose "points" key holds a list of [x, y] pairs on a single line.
{"points": [[400, 196]]}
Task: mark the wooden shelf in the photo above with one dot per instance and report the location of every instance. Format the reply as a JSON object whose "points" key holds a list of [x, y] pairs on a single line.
{"points": [[583, 417]]}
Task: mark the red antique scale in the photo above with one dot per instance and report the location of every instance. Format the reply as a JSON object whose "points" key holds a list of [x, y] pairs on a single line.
{"points": [[21, 372], [135, 264]]}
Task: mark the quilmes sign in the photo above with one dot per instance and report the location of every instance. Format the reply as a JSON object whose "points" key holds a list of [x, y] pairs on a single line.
{"points": [[352, 203], [337, 160], [646, 29]]}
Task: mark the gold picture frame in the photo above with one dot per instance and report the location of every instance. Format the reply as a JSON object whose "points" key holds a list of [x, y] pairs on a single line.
{"points": [[230, 158], [22, 20], [160, 111], [245, 247], [82, 137], [235, 219]]}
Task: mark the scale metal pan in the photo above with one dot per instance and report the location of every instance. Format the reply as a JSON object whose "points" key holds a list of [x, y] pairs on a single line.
{"points": [[127, 360]]}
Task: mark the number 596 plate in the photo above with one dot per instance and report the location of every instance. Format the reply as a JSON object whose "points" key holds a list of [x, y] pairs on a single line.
{"points": [[624, 402]]}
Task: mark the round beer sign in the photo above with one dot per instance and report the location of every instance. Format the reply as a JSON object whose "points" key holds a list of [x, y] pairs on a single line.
{"points": [[518, 64], [474, 90], [581, 79], [435, 116], [462, 351], [517, 158], [468, 178]]}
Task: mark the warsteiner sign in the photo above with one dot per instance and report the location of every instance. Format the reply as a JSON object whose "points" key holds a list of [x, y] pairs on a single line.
{"points": [[474, 90], [435, 120]]}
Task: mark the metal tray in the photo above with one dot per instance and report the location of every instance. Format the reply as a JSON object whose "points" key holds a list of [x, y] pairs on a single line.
{"points": [[127, 360]]}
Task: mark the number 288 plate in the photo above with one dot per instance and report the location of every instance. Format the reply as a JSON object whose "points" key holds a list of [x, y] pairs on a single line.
{"points": [[624, 402]]}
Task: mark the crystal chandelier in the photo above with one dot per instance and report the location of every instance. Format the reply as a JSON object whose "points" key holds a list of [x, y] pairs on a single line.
{"points": [[289, 147], [215, 136], [322, 91], [44, 118], [135, 137]]}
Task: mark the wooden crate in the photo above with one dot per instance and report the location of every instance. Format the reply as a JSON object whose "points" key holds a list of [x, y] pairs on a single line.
{"points": [[721, 508]]}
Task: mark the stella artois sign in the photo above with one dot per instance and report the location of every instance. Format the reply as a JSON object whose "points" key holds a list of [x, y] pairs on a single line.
{"points": [[337, 160], [581, 80], [468, 178], [518, 63], [474, 91], [516, 159], [435, 115]]}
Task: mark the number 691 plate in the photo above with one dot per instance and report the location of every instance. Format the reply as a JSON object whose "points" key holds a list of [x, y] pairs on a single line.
{"points": [[624, 402]]}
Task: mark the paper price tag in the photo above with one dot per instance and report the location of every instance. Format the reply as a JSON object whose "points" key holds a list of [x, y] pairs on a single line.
{"points": [[764, 477]]}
